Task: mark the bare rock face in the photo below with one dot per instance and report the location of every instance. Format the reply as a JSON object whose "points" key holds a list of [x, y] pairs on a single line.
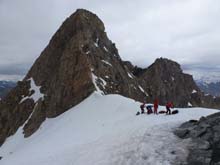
{"points": [[79, 60], [165, 80], [205, 135], [211, 101], [13, 114]]}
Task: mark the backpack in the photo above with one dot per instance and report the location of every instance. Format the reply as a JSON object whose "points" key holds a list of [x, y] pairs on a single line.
{"points": [[175, 111], [138, 113]]}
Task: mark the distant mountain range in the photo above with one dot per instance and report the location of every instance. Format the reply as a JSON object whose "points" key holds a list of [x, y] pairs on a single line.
{"points": [[5, 87], [212, 88], [204, 75], [208, 80]]}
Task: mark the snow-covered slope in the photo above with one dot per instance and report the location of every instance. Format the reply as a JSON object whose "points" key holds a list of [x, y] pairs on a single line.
{"points": [[99, 131]]}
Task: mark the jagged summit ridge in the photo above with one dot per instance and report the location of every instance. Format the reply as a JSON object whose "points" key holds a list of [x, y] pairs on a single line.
{"points": [[164, 79]]}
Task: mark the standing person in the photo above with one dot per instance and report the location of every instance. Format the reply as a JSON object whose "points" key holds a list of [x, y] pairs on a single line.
{"points": [[156, 103], [168, 106], [142, 107]]}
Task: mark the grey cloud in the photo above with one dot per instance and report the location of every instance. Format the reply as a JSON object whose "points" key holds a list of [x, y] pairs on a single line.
{"points": [[186, 31], [13, 69], [205, 67]]}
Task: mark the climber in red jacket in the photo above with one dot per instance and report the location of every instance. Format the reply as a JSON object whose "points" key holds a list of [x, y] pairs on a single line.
{"points": [[168, 106], [156, 103]]}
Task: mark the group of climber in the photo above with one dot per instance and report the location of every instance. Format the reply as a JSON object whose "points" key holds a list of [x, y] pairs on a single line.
{"points": [[169, 105]]}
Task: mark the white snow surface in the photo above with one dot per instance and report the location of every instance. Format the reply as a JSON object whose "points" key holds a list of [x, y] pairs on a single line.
{"points": [[102, 130]]}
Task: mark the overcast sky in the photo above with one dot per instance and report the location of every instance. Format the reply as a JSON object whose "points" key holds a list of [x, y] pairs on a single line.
{"points": [[187, 31]]}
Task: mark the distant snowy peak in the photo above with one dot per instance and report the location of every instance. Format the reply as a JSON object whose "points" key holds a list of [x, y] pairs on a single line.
{"points": [[209, 78], [212, 88], [205, 76]]}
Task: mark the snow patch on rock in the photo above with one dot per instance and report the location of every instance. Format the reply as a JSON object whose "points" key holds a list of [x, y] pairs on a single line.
{"points": [[129, 75], [103, 82], [189, 104], [142, 90], [95, 81], [106, 62], [105, 49], [87, 52], [96, 42], [194, 91], [37, 95]]}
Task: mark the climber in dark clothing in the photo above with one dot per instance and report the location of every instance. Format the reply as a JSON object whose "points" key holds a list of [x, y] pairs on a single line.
{"points": [[142, 107], [168, 106], [149, 109]]}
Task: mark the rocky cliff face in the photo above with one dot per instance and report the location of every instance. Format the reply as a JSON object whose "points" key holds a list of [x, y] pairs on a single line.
{"points": [[165, 80], [79, 60]]}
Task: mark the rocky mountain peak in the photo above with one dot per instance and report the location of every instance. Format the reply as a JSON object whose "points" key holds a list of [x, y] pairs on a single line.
{"points": [[86, 18], [165, 80], [166, 65], [81, 21], [79, 60]]}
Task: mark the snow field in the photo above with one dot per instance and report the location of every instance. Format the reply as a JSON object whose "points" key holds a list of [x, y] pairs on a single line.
{"points": [[103, 130]]}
